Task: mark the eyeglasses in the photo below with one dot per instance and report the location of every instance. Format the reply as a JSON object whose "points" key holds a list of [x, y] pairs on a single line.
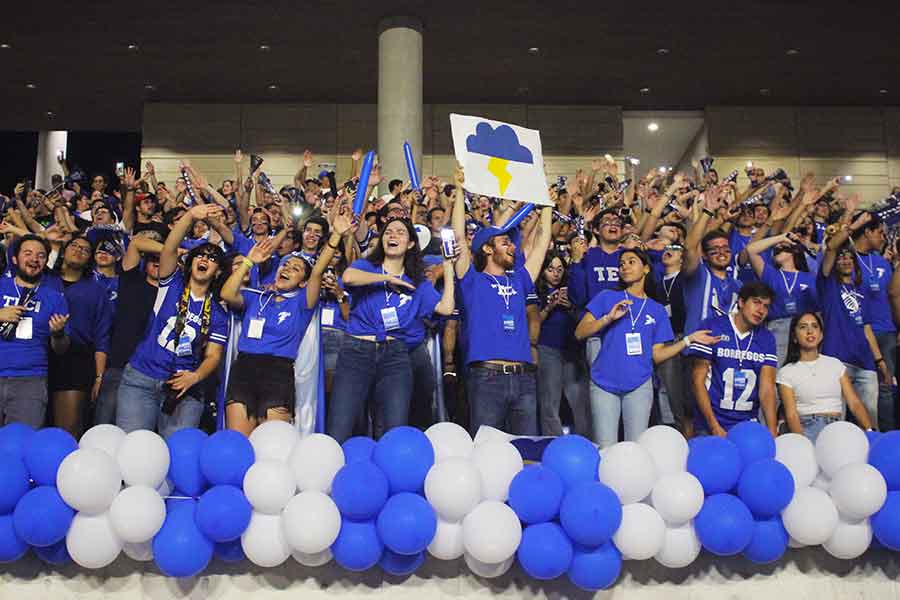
{"points": [[611, 223], [85, 250]]}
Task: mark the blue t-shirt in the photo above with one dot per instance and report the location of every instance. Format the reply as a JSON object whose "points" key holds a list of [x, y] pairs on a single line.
{"points": [[597, 271], [876, 279], [736, 363], [795, 293], [845, 311], [707, 296], [373, 307], [495, 321], [558, 329], [90, 313], [284, 323], [625, 360], [28, 357], [737, 243], [156, 355], [111, 285]]}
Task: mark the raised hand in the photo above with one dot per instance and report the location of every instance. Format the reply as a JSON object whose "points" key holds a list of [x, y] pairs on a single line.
{"points": [[129, 177], [58, 323], [307, 158], [238, 156], [357, 155], [205, 211], [150, 168], [852, 203], [342, 223], [459, 176], [376, 177], [261, 251]]}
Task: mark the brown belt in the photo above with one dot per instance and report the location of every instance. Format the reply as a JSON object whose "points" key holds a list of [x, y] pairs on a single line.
{"points": [[506, 369]]}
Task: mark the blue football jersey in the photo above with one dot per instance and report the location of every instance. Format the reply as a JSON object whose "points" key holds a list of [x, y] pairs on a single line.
{"points": [[707, 296], [282, 323]]}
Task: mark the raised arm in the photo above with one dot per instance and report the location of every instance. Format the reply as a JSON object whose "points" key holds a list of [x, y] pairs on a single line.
{"points": [[340, 228], [692, 250], [458, 222], [138, 245], [541, 243], [128, 208], [231, 289], [168, 258], [754, 249], [300, 176]]}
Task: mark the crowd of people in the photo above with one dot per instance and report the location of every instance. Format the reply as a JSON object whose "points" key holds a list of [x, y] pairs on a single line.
{"points": [[676, 298]]}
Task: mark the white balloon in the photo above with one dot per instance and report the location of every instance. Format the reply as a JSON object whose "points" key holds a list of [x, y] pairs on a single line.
{"points": [[811, 516], [629, 470], [165, 488], [821, 482], [498, 462], [274, 440], [88, 480], [491, 532], [858, 491], [681, 547], [263, 542], [841, 443], [642, 532], [313, 560], [448, 541], [92, 542], [315, 461], [269, 485], [667, 447], [489, 570], [792, 543], [486, 434], [143, 458], [449, 440], [142, 552], [103, 437], [453, 488], [311, 522], [797, 453], [849, 540], [677, 497], [137, 514]]}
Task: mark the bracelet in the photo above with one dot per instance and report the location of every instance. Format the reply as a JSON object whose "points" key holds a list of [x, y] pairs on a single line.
{"points": [[99, 377], [247, 262], [687, 340], [333, 247], [880, 359], [708, 212]]}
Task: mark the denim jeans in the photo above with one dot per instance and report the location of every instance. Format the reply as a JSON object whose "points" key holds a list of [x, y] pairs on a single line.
{"points": [[560, 373], [781, 329], [633, 406], [139, 402], [377, 370], [422, 407], [105, 411], [887, 343], [507, 402], [676, 378], [865, 383], [331, 346], [814, 424], [23, 400]]}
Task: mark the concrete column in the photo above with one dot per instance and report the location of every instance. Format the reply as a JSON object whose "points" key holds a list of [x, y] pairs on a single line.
{"points": [[399, 95], [49, 144]]}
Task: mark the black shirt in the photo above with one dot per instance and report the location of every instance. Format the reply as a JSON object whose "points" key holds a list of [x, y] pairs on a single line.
{"points": [[134, 307], [672, 293]]}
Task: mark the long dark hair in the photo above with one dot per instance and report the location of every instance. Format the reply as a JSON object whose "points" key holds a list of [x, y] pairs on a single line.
{"points": [[412, 259], [799, 254], [857, 272], [650, 288], [793, 349], [216, 284], [543, 288], [88, 267]]}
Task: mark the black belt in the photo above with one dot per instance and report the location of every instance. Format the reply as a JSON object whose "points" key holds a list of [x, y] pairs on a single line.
{"points": [[513, 369]]}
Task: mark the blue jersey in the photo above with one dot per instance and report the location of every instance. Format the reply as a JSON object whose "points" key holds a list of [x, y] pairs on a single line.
{"points": [[25, 353], [737, 243], [707, 296], [845, 312], [795, 293], [111, 285], [283, 323], [90, 314], [625, 360], [735, 366], [161, 354], [597, 271], [495, 321], [876, 279]]}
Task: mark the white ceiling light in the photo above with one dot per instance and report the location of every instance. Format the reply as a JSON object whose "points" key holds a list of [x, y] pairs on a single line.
{"points": [[653, 126]]}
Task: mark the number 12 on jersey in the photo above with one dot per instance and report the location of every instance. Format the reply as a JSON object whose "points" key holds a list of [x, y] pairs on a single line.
{"points": [[742, 381]]}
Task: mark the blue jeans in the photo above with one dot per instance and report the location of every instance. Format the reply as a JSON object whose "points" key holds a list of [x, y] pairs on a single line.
{"points": [[865, 383], [887, 343], [139, 402], [781, 329], [377, 370], [559, 373], [105, 411], [633, 406], [507, 402], [814, 424]]}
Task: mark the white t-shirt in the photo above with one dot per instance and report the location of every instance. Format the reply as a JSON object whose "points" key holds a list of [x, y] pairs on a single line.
{"points": [[816, 384]]}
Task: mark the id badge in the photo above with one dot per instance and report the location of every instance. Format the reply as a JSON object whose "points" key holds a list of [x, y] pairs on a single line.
{"points": [[633, 344], [509, 322], [389, 318], [668, 310], [740, 380], [874, 284], [328, 316], [184, 346], [790, 306], [24, 329], [254, 332]]}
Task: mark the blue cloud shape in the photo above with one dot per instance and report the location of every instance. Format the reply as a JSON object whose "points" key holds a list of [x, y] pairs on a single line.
{"points": [[500, 143]]}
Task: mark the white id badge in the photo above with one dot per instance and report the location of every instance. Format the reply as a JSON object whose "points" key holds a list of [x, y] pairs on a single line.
{"points": [[328, 316], [254, 332], [633, 344], [669, 309], [389, 318], [24, 329]]}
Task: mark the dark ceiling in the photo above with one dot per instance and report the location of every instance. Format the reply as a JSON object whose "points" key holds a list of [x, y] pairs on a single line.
{"points": [[723, 53]]}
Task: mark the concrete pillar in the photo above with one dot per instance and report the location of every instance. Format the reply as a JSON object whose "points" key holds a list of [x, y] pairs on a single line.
{"points": [[399, 95], [49, 144]]}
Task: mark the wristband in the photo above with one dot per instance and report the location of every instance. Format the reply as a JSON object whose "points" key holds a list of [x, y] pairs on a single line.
{"points": [[708, 212], [687, 340], [247, 262], [333, 247]]}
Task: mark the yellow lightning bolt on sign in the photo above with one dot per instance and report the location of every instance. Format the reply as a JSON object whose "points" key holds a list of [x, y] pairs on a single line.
{"points": [[497, 168]]}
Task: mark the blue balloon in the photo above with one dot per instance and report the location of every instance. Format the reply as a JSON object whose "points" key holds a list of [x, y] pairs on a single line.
{"points": [[886, 522], [517, 217], [753, 441], [57, 554], [229, 552], [766, 487], [535, 494], [41, 517], [405, 455], [884, 455], [545, 552], [769, 541], [179, 548], [360, 490], [400, 565], [715, 462], [590, 513], [359, 200], [574, 458], [407, 523], [45, 451], [597, 568], [14, 438], [357, 547], [531, 450], [184, 465], [873, 437], [12, 546], [225, 457], [358, 449], [223, 513], [14, 481], [411, 167], [724, 525]]}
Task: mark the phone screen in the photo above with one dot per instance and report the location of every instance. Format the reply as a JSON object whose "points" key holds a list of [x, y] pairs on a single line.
{"points": [[120, 168]]}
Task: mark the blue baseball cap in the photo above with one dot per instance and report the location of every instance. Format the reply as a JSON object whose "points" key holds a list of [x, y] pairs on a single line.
{"points": [[484, 235]]}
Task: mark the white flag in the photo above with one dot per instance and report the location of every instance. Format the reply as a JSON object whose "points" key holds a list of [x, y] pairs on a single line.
{"points": [[501, 160]]}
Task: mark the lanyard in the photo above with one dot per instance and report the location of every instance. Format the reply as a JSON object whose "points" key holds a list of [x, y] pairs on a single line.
{"points": [[19, 292], [265, 302], [634, 319], [737, 344], [502, 291], [790, 288], [388, 294], [868, 267]]}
